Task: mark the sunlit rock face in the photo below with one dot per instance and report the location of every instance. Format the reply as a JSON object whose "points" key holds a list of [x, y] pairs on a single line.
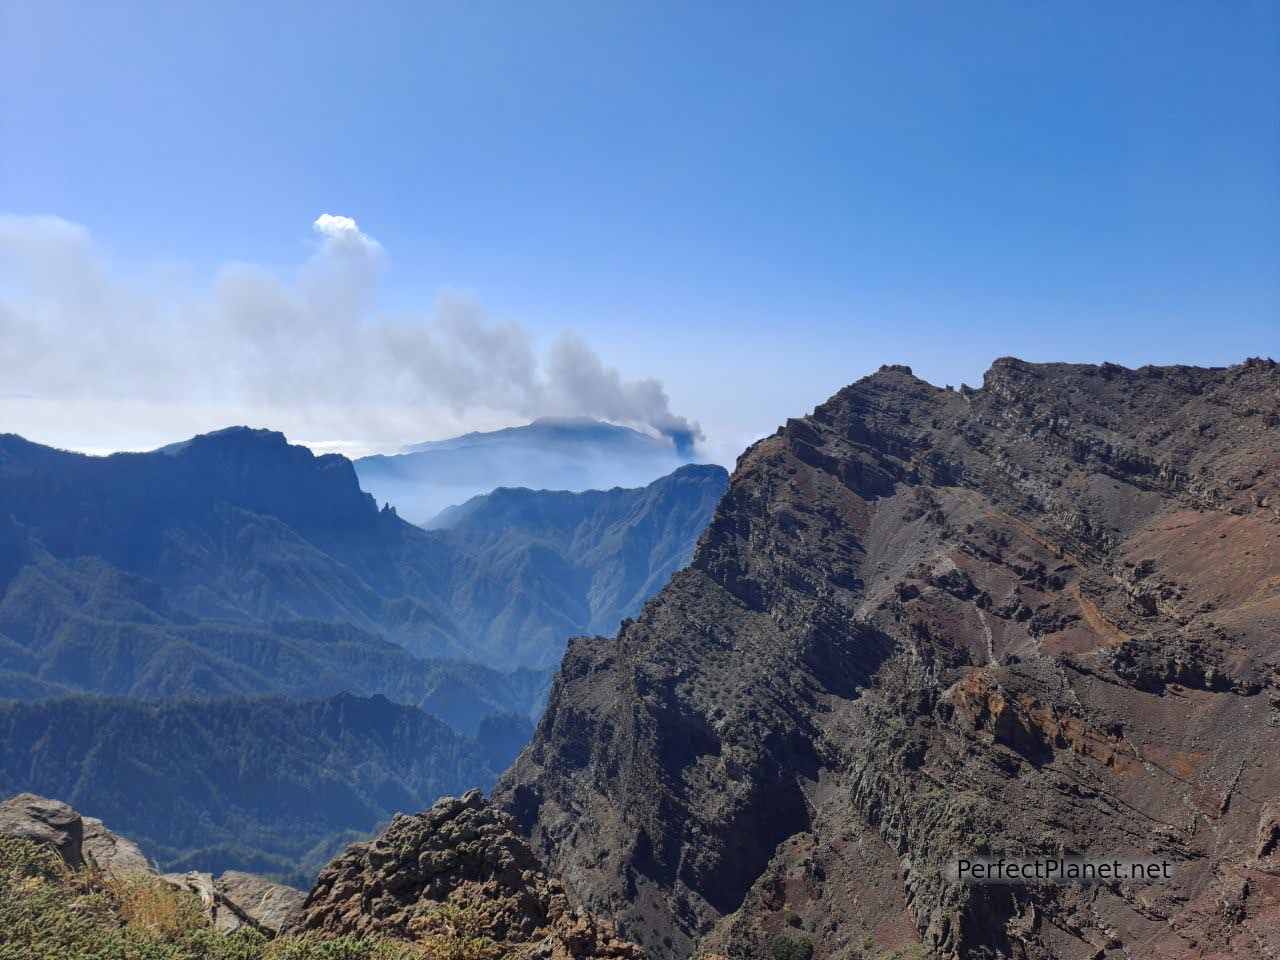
{"points": [[1041, 616]]}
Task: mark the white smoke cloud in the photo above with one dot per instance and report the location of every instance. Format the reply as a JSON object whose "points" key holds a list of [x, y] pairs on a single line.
{"points": [[333, 226], [310, 351]]}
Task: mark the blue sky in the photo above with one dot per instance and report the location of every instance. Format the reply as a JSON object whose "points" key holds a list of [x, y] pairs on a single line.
{"points": [[752, 203]]}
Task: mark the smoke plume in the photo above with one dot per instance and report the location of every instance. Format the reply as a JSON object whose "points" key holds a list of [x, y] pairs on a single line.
{"points": [[74, 331]]}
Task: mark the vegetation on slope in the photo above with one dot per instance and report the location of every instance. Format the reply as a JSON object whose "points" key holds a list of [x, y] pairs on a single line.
{"points": [[536, 567], [85, 626]]}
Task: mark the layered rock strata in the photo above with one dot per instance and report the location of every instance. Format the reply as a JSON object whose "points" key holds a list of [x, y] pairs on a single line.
{"points": [[1036, 618]]}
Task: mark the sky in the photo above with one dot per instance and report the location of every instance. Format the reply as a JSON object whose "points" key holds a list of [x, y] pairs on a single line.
{"points": [[375, 224]]}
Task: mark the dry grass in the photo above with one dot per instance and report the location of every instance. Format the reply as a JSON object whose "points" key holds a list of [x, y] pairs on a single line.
{"points": [[159, 908], [50, 912]]}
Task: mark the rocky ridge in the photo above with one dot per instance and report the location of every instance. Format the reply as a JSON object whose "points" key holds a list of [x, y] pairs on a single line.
{"points": [[1036, 618]]}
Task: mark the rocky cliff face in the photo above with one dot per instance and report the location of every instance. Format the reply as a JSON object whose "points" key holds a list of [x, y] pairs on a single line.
{"points": [[1034, 618]]}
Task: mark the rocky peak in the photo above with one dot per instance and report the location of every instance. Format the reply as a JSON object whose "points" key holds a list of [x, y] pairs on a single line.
{"points": [[460, 854]]}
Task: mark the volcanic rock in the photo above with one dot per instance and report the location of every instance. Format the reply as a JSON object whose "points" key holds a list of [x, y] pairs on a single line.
{"points": [[1038, 618], [111, 854], [462, 853], [80, 841], [202, 885]]}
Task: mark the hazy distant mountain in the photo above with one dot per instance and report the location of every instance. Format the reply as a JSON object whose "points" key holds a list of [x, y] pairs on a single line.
{"points": [[235, 565], [258, 783], [536, 567], [214, 566], [570, 453], [86, 627], [236, 526]]}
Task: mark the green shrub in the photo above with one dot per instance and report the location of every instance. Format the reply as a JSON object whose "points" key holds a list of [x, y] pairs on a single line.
{"points": [[786, 947]]}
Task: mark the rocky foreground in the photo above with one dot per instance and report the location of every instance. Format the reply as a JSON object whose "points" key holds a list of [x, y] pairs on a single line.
{"points": [[463, 855], [1041, 617], [453, 883], [231, 901]]}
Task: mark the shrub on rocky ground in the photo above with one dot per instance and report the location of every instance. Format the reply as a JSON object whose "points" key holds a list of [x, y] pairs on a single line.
{"points": [[49, 911], [787, 947]]}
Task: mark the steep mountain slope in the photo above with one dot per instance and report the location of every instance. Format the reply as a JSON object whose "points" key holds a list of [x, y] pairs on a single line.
{"points": [[1038, 618], [536, 567], [260, 783], [552, 453]]}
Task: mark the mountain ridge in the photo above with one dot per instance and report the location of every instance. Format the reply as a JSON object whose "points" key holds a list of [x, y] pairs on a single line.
{"points": [[542, 566], [241, 527], [927, 622], [580, 428]]}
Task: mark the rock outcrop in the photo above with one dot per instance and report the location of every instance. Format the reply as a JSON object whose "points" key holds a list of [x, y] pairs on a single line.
{"points": [[236, 899], [1037, 618], [462, 854], [271, 907], [44, 821], [202, 886], [111, 854], [80, 841], [233, 900]]}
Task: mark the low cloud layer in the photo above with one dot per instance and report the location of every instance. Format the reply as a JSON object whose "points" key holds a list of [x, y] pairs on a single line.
{"points": [[75, 333]]}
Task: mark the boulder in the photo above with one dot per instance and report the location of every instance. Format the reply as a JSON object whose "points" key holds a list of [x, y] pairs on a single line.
{"points": [[220, 912], [80, 841], [44, 821], [236, 899], [271, 907]]}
